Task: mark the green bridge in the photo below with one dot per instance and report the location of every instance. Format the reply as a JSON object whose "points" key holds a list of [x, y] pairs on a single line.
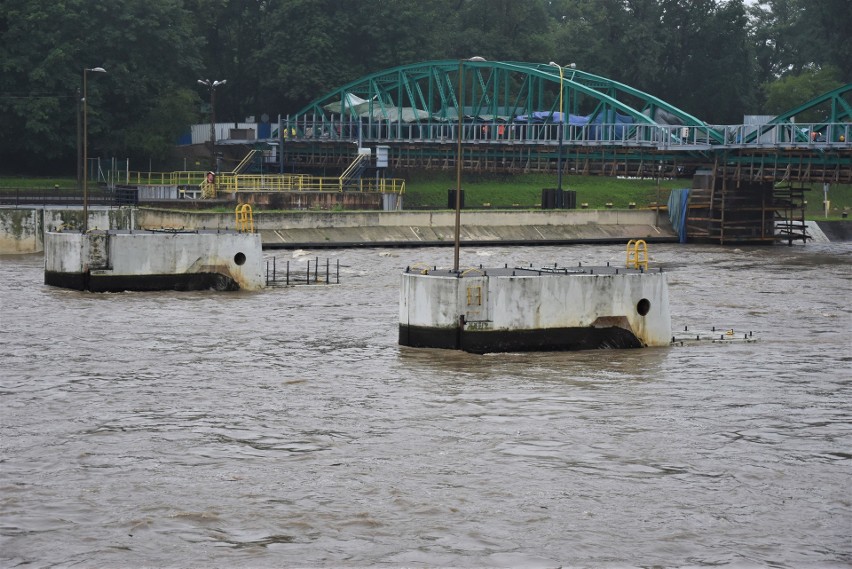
{"points": [[499, 116]]}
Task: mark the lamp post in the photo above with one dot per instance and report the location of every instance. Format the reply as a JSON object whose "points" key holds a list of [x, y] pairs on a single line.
{"points": [[212, 86], [86, 148], [460, 117], [79, 114], [561, 125]]}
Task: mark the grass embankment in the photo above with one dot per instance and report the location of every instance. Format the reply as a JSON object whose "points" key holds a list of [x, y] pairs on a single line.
{"points": [[523, 191], [36, 183], [428, 190]]}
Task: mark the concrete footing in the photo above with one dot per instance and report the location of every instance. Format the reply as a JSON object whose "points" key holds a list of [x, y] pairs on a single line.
{"points": [[527, 309], [112, 261]]}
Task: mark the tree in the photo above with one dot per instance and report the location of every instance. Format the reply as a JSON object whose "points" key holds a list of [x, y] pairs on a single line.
{"points": [[827, 26], [713, 58], [146, 46], [792, 91]]}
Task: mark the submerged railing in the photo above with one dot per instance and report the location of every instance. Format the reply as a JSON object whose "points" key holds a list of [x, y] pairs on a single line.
{"points": [[313, 273]]}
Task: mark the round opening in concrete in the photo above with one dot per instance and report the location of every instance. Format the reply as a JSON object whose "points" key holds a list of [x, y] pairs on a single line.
{"points": [[643, 307], [240, 258]]}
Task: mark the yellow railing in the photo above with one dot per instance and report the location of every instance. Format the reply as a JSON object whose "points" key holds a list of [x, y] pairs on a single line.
{"points": [[349, 172], [637, 254], [187, 177], [245, 162], [264, 183], [244, 218], [303, 183]]}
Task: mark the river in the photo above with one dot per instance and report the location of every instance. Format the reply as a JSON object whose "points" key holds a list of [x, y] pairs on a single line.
{"points": [[287, 428]]}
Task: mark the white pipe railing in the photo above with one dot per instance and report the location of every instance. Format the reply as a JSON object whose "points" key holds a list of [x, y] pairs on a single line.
{"points": [[833, 135]]}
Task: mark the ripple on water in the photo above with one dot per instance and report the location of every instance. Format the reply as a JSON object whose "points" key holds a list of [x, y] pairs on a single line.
{"points": [[289, 428]]}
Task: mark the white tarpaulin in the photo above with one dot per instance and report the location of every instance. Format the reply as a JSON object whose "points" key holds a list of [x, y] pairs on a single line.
{"points": [[356, 106]]}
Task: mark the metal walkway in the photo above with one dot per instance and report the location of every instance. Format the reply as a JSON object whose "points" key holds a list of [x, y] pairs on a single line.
{"points": [[512, 116]]}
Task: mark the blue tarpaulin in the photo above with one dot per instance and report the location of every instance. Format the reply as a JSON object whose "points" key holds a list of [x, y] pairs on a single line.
{"points": [[678, 203], [595, 131]]}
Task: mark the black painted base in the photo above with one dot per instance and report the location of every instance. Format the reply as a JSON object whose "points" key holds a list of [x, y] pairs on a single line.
{"points": [[120, 283], [547, 340]]}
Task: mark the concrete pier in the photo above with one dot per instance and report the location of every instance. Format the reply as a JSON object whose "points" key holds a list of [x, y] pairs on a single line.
{"points": [[534, 309], [112, 261]]}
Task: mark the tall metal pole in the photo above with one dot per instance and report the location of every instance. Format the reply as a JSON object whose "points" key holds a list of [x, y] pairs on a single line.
{"points": [[79, 140], [460, 118], [214, 164], [561, 125], [213, 127], [86, 149], [85, 160], [460, 114]]}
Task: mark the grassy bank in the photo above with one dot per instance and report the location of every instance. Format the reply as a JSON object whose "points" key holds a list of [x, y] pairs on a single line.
{"points": [[36, 183], [428, 190]]}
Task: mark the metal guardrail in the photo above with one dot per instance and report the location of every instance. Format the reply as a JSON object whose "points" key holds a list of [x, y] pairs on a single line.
{"points": [[178, 178], [832, 135], [267, 183], [304, 183], [96, 196]]}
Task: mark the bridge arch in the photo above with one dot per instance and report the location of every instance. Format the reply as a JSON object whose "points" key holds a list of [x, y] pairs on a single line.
{"points": [[496, 93], [836, 107]]}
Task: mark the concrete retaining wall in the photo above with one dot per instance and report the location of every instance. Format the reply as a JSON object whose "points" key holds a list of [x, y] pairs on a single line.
{"points": [[22, 230], [400, 228]]}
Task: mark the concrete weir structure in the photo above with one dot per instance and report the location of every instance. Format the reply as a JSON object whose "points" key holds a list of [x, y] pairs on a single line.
{"points": [[114, 260], [534, 309]]}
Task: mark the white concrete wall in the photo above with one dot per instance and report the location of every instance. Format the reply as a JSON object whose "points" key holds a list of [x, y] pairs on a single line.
{"points": [[540, 302], [577, 301], [22, 230], [429, 301], [154, 218], [146, 253]]}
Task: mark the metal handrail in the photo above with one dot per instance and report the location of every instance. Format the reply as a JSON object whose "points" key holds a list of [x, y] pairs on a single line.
{"points": [[177, 178], [671, 137], [304, 183]]}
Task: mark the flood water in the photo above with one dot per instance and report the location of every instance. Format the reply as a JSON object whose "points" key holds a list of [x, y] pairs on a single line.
{"points": [[287, 428]]}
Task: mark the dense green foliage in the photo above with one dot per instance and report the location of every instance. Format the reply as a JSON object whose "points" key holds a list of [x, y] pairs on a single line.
{"points": [[717, 59]]}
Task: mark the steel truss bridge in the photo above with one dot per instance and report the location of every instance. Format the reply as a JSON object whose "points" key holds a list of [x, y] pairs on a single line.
{"points": [[500, 116], [520, 117]]}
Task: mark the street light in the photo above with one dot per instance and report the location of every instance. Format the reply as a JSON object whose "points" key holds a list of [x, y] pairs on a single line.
{"points": [[86, 148], [561, 126], [212, 86], [460, 117]]}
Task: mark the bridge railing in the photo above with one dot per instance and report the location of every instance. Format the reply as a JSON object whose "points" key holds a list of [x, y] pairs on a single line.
{"points": [[606, 134]]}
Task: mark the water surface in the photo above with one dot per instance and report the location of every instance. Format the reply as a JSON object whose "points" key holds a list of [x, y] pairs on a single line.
{"points": [[288, 428]]}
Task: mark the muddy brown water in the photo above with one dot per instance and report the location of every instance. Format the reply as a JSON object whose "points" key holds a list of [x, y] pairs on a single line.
{"points": [[287, 427]]}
